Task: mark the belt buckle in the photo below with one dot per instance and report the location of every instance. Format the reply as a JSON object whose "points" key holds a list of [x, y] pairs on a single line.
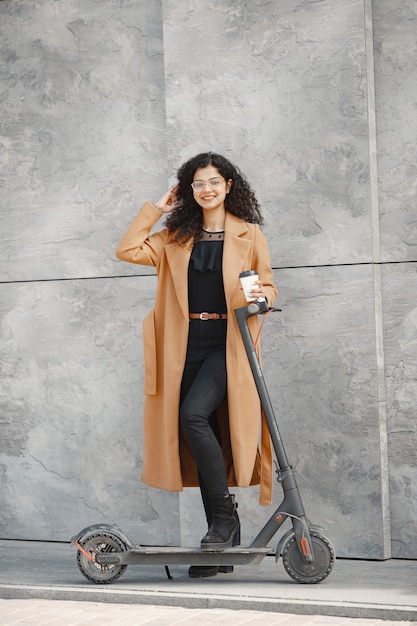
{"points": [[206, 316]]}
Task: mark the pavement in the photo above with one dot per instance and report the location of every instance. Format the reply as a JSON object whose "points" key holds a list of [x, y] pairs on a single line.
{"points": [[40, 584]]}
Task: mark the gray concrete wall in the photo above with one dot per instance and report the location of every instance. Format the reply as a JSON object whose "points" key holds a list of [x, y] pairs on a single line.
{"points": [[100, 103]]}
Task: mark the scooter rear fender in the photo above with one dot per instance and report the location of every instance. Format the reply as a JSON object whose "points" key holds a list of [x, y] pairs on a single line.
{"points": [[90, 531]]}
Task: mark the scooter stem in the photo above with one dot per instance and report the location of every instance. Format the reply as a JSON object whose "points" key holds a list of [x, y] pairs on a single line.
{"points": [[292, 505], [242, 315]]}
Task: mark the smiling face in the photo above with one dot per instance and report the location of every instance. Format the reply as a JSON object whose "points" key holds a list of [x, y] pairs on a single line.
{"points": [[214, 188]]}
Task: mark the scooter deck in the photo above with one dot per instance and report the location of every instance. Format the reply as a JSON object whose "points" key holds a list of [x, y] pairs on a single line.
{"points": [[172, 555]]}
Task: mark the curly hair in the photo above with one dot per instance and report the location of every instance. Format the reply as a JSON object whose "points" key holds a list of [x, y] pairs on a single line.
{"points": [[186, 222]]}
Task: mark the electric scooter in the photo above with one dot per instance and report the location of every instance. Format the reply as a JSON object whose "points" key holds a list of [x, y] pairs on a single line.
{"points": [[104, 551]]}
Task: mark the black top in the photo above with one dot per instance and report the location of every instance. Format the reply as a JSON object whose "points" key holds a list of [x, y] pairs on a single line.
{"points": [[205, 277]]}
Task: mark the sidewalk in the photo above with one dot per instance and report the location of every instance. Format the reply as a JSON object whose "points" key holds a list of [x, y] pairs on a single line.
{"points": [[357, 592], [59, 613]]}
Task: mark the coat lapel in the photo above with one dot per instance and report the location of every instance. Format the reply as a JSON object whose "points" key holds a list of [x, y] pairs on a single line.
{"points": [[235, 254], [178, 258]]}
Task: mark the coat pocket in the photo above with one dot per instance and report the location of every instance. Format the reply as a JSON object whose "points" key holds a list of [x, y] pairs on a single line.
{"points": [[149, 351]]}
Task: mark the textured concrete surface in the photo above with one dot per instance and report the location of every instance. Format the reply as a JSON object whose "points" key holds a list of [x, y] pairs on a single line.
{"points": [[396, 88], [281, 86], [100, 103], [83, 132], [400, 326]]}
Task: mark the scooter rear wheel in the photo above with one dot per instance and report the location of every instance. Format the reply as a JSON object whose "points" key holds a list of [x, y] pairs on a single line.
{"points": [[100, 543], [309, 573]]}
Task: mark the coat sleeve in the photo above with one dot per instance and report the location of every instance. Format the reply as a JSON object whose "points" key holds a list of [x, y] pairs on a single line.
{"points": [[137, 244], [262, 263]]}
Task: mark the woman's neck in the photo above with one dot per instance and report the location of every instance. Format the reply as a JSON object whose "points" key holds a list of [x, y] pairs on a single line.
{"points": [[213, 221]]}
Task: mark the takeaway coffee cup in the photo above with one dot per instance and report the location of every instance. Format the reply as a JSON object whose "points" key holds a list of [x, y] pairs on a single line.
{"points": [[248, 280]]}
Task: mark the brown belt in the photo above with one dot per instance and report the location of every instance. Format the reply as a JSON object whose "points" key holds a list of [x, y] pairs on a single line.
{"points": [[208, 316]]}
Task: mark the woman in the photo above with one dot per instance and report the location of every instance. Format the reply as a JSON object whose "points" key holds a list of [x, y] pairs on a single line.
{"points": [[202, 411]]}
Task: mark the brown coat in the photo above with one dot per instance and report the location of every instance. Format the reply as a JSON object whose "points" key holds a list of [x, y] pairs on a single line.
{"points": [[168, 463]]}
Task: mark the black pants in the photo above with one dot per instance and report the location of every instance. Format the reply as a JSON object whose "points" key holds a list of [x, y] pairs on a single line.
{"points": [[203, 388]]}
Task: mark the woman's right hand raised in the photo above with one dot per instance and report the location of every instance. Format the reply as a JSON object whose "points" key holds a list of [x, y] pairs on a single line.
{"points": [[169, 201]]}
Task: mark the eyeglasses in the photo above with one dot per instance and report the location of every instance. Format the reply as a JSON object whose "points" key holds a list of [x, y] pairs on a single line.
{"points": [[213, 183]]}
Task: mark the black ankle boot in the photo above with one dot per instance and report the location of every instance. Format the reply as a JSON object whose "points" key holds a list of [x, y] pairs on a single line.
{"points": [[224, 525], [207, 571], [202, 571]]}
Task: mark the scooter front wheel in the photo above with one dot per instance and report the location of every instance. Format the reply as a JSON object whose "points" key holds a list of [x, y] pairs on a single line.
{"points": [[309, 573], [93, 545]]}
